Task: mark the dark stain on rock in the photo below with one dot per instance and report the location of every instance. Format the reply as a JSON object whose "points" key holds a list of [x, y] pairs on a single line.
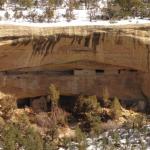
{"points": [[26, 41], [95, 40], [134, 43], [12, 38], [41, 45], [148, 56], [73, 40], [87, 41], [118, 40], [79, 39], [102, 37]]}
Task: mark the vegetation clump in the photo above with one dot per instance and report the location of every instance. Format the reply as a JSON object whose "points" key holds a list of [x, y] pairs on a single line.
{"points": [[7, 106], [25, 3], [54, 95], [29, 130], [86, 104], [95, 9], [87, 109], [106, 97], [14, 138], [116, 109], [118, 9]]}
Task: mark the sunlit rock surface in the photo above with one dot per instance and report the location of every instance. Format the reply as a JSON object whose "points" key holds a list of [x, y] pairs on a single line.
{"points": [[76, 59]]}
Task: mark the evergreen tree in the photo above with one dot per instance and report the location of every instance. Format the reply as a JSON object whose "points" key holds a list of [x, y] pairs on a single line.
{"points": [[2, 2], [52, 3], [49, 13], [116, 108], [69, 15], [127, 5], [7, 15], [25, 3], [54, 95], [130, 7], [94, 10]]}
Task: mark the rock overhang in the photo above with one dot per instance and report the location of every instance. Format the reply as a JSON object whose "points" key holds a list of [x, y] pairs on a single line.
{"points": [[28, 51]]}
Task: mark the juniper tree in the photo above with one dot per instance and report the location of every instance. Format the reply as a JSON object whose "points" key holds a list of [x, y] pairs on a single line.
{"points": [[94, 10], [52, 3], [7, 15], [25, 3], [69, 11], [2, 2], [127, 5], [49, 13], [116, 108], [54, 95], [130, 7]]}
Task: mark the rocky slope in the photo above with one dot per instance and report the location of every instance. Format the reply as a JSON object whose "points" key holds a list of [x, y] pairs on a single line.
{"points": [[78, 60]]}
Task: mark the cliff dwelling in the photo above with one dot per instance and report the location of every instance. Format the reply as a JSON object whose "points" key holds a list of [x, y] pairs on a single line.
{"points": [[77, 60]]}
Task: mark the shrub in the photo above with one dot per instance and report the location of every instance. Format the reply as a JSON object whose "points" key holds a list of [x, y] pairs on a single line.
{"points": [[54, 95], [58, 116], [145, 11], [10, 136], [130, 7], [33, 140], [23, 121], [80, 139], [52, 3], [15, 138], [127, 5], [69, 14], [18, 14], [86, 104], [93, 10], [93, 123], [116, 108], [136, 121], [52, 132], [106, 97], [40, 18], [2, 2], [49, 13], [2, 123], [50, 145], [88, 110], [118, 9], [66, 143], [7, 106], [25, 3], [32, 16], [7, 15]]}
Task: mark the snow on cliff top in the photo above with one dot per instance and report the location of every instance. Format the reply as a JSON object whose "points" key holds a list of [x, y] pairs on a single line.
{"points": [[81, 18], [78, 23]]}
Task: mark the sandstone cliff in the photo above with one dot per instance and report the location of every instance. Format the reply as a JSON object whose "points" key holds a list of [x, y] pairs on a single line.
{"points": [[77, 59]]}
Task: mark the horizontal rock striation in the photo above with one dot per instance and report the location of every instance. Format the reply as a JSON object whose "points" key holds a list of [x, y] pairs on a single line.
{"points": [[79, 60]]}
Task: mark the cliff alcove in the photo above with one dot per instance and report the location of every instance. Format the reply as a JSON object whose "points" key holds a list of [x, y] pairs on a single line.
{"points": [[78, 60], [43, 104]]}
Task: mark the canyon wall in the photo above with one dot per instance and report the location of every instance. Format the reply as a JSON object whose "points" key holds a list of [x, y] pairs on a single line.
{"points": [[79, 60]]}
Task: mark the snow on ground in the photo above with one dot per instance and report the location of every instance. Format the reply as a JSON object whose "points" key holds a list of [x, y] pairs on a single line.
{"points": [[118, 139], [81, 18], [77, 22]]}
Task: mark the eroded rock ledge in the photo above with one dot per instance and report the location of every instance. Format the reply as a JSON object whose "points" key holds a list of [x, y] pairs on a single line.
{"points": [[79, 60]]}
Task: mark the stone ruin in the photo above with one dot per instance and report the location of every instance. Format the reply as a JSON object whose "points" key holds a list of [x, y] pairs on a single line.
{"points": [[78, 60]]}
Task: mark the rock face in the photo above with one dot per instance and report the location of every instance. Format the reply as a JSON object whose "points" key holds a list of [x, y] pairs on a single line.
{"points": [[78, 60]]}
